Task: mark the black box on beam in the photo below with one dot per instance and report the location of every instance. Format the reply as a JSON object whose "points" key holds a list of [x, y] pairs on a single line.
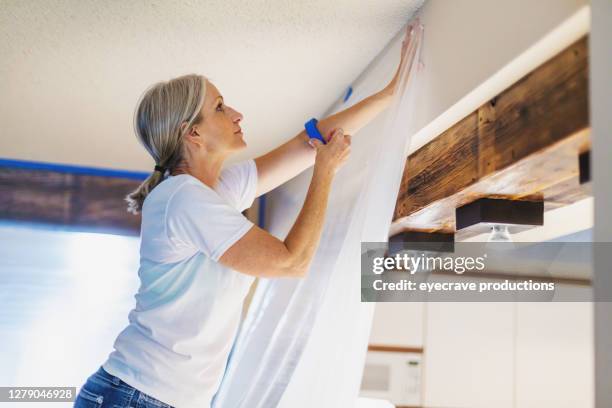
{"points": [[478, 216], [421, 241], [584, 167]]}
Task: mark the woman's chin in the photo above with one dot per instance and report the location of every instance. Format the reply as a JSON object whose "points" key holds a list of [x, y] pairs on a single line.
{"points": [[240, 143]]}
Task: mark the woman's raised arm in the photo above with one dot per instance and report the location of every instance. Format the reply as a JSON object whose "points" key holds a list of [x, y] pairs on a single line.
{"points": [[291, 158]]}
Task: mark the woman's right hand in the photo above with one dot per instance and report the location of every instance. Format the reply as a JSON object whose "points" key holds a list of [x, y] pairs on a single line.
{"points": [[260, 253], [333, 155]]}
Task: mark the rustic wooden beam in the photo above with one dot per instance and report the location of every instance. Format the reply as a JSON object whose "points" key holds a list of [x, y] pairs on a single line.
{"points": [[79, 201], [522, 144]]}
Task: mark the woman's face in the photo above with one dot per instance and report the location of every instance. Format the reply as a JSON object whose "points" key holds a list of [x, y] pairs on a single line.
{"points": [[220, 129]]}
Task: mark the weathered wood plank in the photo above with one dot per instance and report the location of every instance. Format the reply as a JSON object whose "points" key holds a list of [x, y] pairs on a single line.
{"points": [[99, 201], [428, 178], [545, 106], [73, 200], [50, 199], [522, 144]]}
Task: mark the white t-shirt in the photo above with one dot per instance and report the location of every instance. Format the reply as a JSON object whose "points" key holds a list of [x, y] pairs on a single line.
{"points": [[188, 306]]}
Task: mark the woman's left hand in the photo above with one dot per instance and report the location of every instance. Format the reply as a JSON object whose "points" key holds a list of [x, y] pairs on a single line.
{"points": [[409, 37]]}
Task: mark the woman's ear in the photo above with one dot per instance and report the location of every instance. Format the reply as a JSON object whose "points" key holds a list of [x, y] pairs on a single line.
{"points": [[193, 135], [184, 126]]}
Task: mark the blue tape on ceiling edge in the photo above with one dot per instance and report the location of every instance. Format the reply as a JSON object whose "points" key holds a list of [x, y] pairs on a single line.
{"points": [[349, 92], [67, 168]]}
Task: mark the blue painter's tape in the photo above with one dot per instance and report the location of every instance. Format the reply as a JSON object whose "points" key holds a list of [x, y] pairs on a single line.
{"points": [[312, 131], [67, 168], [349, 92]]}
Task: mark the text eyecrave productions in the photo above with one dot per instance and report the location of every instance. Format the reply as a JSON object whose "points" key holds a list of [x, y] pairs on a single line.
{"points": [[431, 287]]}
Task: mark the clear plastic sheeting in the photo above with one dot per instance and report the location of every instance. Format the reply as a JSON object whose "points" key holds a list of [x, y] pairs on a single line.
{"points": [[304, 341]]}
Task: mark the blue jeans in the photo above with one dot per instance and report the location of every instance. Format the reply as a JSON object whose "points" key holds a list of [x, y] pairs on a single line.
{"points": [[103, 390]]}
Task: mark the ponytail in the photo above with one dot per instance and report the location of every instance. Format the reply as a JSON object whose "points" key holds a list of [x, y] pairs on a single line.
{"points": [[160, 113], [136, 198]]}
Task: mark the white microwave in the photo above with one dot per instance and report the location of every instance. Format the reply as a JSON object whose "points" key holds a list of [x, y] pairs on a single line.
{"points": [[393, 376]]}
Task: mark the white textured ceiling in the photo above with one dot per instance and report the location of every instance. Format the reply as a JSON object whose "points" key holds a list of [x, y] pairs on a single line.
{"points": [[71, 72]]}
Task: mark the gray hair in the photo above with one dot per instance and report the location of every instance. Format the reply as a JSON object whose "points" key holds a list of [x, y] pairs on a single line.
{"points": [[161, 111]]}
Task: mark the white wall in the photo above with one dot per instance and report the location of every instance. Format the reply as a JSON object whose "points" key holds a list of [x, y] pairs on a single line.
{"points": [[601, 121], [554, 354], [398, 324], [472, 47], [468, 355], [508, 355]]}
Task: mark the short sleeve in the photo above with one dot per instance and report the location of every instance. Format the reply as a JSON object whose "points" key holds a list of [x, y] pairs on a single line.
{"points": [[238, 184], [196, 216]]}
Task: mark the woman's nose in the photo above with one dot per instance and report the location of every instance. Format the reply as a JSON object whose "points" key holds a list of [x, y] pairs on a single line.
{"points": [[236, 116]]}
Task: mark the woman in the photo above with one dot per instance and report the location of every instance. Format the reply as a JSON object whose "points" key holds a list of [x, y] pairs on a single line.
{"points": [[198, 253]]}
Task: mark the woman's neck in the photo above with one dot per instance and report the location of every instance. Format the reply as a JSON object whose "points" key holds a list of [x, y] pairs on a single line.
{"points": [[207, 171]]}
